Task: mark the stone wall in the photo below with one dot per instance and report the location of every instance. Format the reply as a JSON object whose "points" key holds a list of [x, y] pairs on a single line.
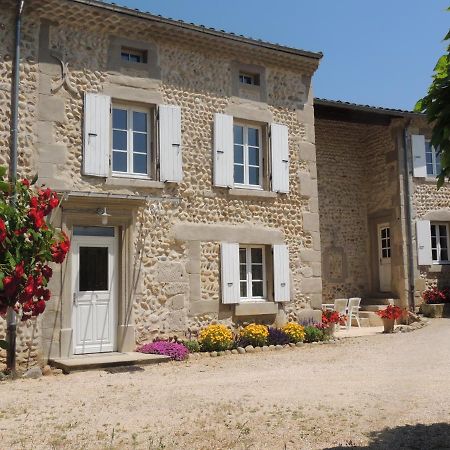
{"points": [[358, 189], [178, 285], [428, 203]]}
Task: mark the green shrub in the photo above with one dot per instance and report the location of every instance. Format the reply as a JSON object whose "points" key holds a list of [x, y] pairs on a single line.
{"points": [[192, 345], [313, 334]]}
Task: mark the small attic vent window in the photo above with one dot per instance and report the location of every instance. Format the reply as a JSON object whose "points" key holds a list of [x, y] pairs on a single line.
{"points": [[133, 55], [249, 78]]}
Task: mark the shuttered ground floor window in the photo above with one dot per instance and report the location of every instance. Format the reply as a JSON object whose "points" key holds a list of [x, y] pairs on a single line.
{"points": [[439, 243], [252, 273]]}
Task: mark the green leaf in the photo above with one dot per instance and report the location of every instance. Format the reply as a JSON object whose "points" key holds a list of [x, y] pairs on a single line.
{"points": [[4, 186], [3, 344], [3, 171], [34, 180]]}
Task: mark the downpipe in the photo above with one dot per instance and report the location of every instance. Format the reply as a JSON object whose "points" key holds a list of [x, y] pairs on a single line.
{"points": [[11, 317], [408, 217]]}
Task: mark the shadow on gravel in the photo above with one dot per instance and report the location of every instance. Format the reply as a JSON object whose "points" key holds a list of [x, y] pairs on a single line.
{"points": [[408, 437]]}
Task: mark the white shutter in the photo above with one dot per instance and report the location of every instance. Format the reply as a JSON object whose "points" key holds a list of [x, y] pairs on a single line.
{"points": [[97, 131], [280, 158], [418, 153], [281, 273], [223, 150], [170, 154], [423, 238], [230, 272]]}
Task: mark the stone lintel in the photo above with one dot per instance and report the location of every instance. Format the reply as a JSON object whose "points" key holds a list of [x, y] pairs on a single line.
{"points": [[243, 234]]}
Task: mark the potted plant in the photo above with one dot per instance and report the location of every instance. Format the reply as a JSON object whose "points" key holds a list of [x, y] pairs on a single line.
{"points": [[436, 302], [389, 315], [330, 319]]}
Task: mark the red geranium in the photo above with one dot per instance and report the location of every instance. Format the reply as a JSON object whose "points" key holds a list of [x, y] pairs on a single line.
{"points": [[330, 317], [435, 295], [3, 231], [391, 312]]}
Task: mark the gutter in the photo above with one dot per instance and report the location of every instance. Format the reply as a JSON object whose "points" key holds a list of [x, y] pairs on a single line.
{"points": [[408, 217]]}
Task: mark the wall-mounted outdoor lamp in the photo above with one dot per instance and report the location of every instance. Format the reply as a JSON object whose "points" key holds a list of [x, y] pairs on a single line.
{"points": [[104, 215]]}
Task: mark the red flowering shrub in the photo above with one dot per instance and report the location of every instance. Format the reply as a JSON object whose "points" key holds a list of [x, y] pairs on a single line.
{"points": [[435, 295], [391, 312], [28, 242]]}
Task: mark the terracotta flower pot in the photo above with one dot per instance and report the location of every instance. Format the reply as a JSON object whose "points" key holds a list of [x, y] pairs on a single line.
{"points": [[388, 325]]}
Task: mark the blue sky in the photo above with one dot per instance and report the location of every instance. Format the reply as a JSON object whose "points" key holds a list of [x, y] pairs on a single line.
{"points": [[375, 52]]}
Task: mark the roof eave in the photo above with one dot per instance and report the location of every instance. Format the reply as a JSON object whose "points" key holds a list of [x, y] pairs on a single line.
{"points": [[200, 29]]}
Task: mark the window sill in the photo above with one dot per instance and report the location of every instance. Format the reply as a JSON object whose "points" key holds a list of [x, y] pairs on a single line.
{"points": [[134, 182], [438, 267], [248, 193], [256, 308]]}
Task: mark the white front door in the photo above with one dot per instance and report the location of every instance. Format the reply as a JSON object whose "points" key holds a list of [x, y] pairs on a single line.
{"points": [[384, 257], [94, 262]]}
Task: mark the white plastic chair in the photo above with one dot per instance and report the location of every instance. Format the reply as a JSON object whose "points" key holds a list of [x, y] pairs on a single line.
{"points": [[340, 306], [353, 311]]}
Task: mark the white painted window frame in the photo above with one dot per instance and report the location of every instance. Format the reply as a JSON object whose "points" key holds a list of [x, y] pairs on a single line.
{"points": [[438, 247], [246, 184], [133, 52], [248, 271], [251, 76], [433, 151], [130, 109]]}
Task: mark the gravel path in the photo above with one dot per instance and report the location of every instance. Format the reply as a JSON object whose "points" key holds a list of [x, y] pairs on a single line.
{"points": [[385, 391]]}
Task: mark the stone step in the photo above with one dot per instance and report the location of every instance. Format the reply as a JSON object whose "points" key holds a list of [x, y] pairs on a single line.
{"points": [[102, 360], [373, 319], [378, 301], [372, 307]]}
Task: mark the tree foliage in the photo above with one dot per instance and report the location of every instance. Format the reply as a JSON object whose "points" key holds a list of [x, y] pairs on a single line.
{"points": [[436, 106]]}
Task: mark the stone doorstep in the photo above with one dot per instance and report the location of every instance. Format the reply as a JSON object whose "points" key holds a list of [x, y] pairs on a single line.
{"points": [[99, 361]]}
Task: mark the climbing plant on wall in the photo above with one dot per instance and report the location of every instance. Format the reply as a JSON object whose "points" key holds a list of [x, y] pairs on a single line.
{"points": [[28, 244]]}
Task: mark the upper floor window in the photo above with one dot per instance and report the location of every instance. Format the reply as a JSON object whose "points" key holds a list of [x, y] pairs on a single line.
{"points": [[133, 55], [130, 141], [439, 243], [249, 78], [433, 159], [247, 155]]}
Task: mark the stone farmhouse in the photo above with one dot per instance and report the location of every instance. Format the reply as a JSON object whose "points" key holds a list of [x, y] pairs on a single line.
{"points": [[202, 181]]}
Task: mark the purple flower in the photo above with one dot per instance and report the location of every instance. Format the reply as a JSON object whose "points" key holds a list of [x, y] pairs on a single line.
{"points": [[175, 350]]}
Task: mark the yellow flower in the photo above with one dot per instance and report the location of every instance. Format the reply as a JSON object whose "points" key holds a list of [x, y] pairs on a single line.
{"points": [[215, 338], [295, 331], [254, 334]]}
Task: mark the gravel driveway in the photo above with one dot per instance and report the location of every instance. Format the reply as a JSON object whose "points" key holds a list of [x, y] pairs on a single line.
{"points": [[385, 391]]}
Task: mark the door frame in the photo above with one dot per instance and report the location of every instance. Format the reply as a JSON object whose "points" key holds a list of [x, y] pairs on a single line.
{"points": [[380, 227], [97, 241]]}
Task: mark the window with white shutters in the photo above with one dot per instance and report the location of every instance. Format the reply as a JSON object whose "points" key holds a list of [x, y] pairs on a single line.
{"points": [[131, 140], [252, 273], [247, 155], [439, 243], [433, 160]]}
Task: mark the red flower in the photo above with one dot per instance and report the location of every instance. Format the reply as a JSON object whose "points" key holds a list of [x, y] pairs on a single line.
{"points": [[37, 216], [34, 202], [18, 271], [59, 250], [47, 272], [10, 286], [3, 232], [391, 312], [25, 182], [38, 307]]}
